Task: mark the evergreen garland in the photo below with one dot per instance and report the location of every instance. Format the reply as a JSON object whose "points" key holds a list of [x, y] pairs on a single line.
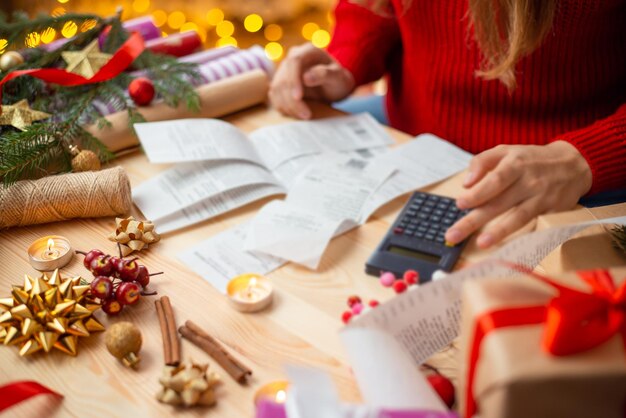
{"points": [[44, 148]]}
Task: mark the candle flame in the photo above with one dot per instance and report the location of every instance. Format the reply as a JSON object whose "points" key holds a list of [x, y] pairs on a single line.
{"points": [[281, 396], [252, 282], [50, 244]]}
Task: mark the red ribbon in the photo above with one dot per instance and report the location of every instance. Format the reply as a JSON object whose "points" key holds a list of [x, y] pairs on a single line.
{"points": [[17, 392], [124, 56], [575, 321]]}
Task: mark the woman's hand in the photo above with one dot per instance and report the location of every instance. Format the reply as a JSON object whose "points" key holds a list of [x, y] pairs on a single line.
{"points": [[308, 73], [528, 180]]}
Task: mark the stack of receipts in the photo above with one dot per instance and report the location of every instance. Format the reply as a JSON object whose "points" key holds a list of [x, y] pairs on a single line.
{"points": [[327, 199], [221, 168]]}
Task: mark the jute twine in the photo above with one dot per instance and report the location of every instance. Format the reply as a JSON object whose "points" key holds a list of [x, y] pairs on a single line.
{"points": [[66, 196]]}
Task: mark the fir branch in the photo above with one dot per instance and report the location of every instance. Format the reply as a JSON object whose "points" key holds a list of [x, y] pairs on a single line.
{"points": [[618, 234]]}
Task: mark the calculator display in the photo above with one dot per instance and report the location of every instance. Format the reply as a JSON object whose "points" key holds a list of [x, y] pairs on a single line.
{"points": [[414, 254]]}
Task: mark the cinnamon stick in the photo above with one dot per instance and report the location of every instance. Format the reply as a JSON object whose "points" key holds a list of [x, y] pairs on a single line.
{"points": [[167, 348], [213, 348], [171, 331]]}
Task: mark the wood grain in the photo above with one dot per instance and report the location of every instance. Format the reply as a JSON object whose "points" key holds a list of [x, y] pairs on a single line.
{"points": [[299, 328]]}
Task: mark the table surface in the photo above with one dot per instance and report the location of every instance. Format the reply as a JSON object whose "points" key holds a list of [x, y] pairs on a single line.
{"points": [[300, 327]]}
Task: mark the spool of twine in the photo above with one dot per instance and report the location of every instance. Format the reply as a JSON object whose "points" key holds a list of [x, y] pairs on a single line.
{"points": [[58, 198]]}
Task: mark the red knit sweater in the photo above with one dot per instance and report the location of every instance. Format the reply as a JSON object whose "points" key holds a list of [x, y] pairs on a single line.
{"points": [[572, 88]]}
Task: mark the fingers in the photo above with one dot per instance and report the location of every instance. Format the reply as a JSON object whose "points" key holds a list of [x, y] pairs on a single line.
{"points": [[491, 185], [519, 216], [477, 218], [483, 163]]}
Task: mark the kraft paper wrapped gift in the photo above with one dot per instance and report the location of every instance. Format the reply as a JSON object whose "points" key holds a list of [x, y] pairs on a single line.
{"points": [[591, 248], [515, 376]]}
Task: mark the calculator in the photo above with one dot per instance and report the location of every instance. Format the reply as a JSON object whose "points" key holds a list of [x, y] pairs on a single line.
{"points": [[416, 240]]}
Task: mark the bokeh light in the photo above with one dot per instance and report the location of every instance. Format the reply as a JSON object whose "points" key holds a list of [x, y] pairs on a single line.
{"points": [[309, 29], [227, 41], [32, 39], [189, 26], [253, 23], [274, 50], [58, 11], [176, 19], [63, 1], [48, 35], [320, 38], [69, 29], [160, 18], [214, 16], [3, 45], [225, 29], [141, 6], [88, 24], [273, 32]]}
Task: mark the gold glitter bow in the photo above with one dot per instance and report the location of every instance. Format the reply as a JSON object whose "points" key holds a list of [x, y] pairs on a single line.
{"points": [[48, 312]]}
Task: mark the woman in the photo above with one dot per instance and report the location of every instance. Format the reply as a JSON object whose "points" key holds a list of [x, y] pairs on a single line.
{"points": [[536, 88]]}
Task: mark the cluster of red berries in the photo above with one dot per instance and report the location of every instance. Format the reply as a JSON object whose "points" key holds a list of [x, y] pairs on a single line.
{"points": [[387, 279], [117, 281], [400, 285]]}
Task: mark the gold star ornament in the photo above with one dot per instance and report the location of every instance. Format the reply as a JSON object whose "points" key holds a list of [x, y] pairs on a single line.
{"points": [[20, 115], [86, 62], [48, 313]]}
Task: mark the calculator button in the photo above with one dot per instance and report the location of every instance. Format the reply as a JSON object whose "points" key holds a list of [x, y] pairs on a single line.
{"points": [[398, 231], [402, 224], [446, 200], [427, 209], [422, 229], [414, 207], [414, 221], [420, 195], [419, 234], [409, 233], [429, 237], [438, 212], [442, 205], [440, 240], [451, 216], [422, 216], [454, 209], [435, 219], [433, 197], [430, 204], [447, 221], [435, 226], [432, 232], [411, 212], [418, 202]]}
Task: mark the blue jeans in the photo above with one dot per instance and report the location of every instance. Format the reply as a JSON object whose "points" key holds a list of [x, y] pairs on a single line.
{"points": [[375, 105]]}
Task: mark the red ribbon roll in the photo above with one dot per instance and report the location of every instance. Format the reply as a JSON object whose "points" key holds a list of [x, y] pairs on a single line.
{"points": [[17, 392], [124, 56], [575, 321]]}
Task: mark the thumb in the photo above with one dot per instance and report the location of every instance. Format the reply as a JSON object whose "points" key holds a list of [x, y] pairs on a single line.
{"points": [[319, 75]]}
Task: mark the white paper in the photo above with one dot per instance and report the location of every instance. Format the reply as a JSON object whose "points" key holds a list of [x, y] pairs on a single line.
{"points": [[419, 163], [186, 140], [221, 257], [312, 394], [279, 143], [387, 375], [216, 205], [189, 183], [427, 318]]}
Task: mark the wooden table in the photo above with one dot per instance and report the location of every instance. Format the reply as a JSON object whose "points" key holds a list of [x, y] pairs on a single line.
{"points": [[299, 328]]}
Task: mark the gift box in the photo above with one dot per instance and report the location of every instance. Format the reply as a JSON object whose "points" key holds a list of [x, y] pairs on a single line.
{"points": [[538, 347], [574, 254]]}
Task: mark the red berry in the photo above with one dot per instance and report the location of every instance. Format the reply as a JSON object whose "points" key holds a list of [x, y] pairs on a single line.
{"points": [[112, 307], [90, 256], [411, 277], [101, 265], [373, 303], [346, 316], [352, 300], [102, 287], [127, 293], [444, 388], [115, 261], [143, 277], [399, 286], [127, 270]]}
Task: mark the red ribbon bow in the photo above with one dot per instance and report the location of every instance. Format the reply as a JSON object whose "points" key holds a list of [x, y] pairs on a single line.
{"points": [[124, 56], [16, 392], [575, 321]]}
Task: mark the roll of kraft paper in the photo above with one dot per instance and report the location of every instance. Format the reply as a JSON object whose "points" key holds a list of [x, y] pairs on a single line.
{"points": [[65, 196], [216, 99]]}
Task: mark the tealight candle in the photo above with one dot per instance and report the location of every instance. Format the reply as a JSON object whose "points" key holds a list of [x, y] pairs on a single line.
{"points": [[273, 391], [50, 253], [249, 292]]}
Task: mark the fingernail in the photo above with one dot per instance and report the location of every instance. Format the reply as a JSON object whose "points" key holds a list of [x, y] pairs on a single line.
{"points": [[469, 178], [454, 236], [484, 240], [461, 203], [295, 93]]}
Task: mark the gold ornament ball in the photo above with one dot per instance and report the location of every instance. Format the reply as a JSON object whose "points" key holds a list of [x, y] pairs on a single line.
{"points": [[85, 161], [123, 340], [10, 59]]}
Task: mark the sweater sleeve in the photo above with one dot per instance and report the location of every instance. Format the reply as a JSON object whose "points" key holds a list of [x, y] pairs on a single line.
{"points": [[362, 41], [603, 145]]}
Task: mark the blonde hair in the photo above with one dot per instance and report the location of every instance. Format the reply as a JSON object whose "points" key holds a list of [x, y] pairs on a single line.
{"points": [[505, 30]]}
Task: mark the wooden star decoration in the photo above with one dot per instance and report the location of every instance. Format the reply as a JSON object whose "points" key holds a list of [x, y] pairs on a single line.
{"points": [[86, 62], [20, 115]]}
